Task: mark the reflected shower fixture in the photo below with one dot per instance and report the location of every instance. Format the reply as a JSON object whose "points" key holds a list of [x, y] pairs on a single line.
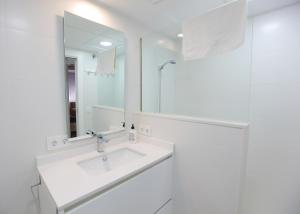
{"points": [[160, 69]]}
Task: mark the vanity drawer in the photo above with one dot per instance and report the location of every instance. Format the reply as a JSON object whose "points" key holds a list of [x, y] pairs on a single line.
{"points": [[145, 193]]}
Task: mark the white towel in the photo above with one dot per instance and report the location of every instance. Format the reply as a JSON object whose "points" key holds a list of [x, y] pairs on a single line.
{"points": [[218, 31], [106, 62]]}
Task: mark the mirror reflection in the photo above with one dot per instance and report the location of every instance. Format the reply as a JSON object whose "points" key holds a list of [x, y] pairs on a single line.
{"points": [[94, 68], [215, 87]]}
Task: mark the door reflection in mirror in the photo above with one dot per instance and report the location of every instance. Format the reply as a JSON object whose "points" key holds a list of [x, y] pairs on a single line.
{"points": [[71, 75], [95, 69]]}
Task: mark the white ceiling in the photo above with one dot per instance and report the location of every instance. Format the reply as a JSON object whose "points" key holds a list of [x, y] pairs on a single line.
{"points": [[166, 16], [85, 35]]}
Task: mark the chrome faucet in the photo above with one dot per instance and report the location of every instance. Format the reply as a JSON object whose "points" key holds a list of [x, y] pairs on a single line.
{"points": [[100, 141], [101, 137], [100, 147]]}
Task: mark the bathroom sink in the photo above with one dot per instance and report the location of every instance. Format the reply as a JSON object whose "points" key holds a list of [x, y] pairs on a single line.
{"points": [[109, 161]]}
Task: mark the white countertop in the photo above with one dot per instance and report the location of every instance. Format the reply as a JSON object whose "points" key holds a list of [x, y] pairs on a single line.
{"points": [[68, 183]]}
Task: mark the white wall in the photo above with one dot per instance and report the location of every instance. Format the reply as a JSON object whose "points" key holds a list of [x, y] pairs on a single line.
{"points": [[209, 163], [111, 87], [119, 84], [273, 175], [109, 118], [32, 86]]}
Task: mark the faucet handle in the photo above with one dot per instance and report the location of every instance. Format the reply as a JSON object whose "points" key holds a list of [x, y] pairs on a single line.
{"points": [[91, 132], [123, 124], [103, 139]]}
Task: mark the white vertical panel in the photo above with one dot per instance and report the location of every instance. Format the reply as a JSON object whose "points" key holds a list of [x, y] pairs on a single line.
{"points": [[208, 164], [273, 173]]}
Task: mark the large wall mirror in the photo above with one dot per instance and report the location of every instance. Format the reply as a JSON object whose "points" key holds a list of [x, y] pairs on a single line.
{"points": [[215, 87], [94, 70]]}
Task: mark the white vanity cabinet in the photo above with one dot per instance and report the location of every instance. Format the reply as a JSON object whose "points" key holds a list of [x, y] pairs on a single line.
{"points": [[148, 192]]}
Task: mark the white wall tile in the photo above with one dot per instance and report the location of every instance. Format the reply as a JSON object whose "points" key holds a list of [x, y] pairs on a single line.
{"points": [[39, 17], [32, 87], [272, 184], [208, 164], [276, 47], [2, 11], [31, 109]]}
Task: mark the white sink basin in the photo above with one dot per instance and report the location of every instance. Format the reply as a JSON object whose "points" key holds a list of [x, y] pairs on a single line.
{"points": [[115, 159]]}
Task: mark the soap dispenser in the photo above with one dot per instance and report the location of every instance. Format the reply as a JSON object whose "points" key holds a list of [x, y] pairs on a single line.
{"points": [[132, 134]]}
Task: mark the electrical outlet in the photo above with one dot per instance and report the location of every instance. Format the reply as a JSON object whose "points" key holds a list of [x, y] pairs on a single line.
{"points": [[57, 142], [145, 130]]}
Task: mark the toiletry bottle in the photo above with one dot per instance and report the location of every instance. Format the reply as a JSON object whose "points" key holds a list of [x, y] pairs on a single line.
{"points": [[132, 134]]}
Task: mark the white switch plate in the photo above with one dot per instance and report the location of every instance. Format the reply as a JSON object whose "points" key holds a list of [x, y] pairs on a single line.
{"points": [[57, 142], [145, 130]]}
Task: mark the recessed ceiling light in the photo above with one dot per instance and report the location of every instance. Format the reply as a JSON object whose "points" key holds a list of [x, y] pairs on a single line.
{"points": [[270, 27], [180, 35], [106, 43], [156, 1]]}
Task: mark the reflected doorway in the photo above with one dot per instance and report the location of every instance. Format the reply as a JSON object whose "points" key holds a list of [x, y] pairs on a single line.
{"points": [[71, 71]]}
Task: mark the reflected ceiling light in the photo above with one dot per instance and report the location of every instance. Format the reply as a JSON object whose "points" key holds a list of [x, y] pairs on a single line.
{"points": [[180, 35], [270, 27], [106, 43], [160, 42]]}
